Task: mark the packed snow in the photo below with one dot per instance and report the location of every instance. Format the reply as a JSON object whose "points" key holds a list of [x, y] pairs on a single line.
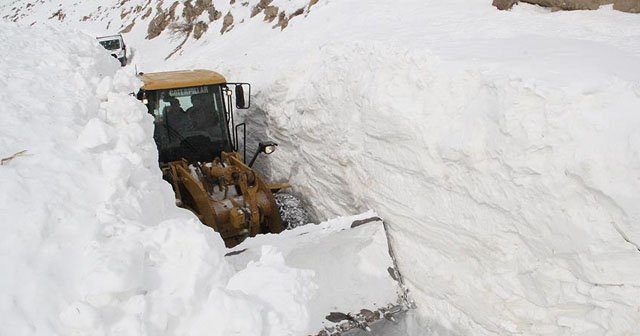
{"points": [[502, 148], [349, 264], [92, 242]]}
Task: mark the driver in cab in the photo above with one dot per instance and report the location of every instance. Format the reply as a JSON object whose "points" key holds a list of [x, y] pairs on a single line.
{"points": [[175, 116], [201, 113]]}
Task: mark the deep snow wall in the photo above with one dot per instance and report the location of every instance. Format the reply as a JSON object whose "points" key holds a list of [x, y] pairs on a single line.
{"points": [[501, 148], [512, 198], [91, 242]]}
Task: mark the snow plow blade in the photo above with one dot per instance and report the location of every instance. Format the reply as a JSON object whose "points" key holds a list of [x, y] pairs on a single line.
{"points": [[359, 286]]}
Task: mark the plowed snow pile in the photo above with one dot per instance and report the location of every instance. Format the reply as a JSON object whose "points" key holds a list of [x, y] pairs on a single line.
{"points": [[513, 203], [502, 148], [91, 242]]}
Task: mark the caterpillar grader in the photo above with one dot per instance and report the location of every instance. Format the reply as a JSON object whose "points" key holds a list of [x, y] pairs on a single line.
{"points": [[202, 154]]}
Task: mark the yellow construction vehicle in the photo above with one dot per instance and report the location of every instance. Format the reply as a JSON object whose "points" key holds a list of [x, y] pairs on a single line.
{"points": [[200, 155], [199, 152]]}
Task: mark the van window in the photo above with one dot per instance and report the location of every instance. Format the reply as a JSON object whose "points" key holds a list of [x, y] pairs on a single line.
{"points": [[111, 44]]}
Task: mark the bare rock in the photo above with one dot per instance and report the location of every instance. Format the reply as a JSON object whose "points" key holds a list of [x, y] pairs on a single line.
{"points": [[214, 15], [60, 15], [147, 14], [570, 4], [124, 13], [283, 21], [128, 27], [270, 13], [260, 7], [311, 3], [299, 11], [161, 21], [157, 25], [629, 6], [199, 29], [504, 4], [193, 10], [227, 23], [189, 12]]}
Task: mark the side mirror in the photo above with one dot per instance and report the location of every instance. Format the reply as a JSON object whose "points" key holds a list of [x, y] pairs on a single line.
{"points": [[243, 97]]}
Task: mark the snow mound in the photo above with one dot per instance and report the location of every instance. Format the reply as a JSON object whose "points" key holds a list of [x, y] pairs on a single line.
{"points": [[91, 241], [512, 195], [351, 264]]}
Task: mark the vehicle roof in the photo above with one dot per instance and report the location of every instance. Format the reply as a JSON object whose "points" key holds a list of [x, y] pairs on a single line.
{"points": [[118, 36], [180, 79]]}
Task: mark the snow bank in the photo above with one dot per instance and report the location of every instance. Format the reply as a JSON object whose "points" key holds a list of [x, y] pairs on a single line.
{"points": [[91, 241], [501, 147], [512, 195], [350, 264]]}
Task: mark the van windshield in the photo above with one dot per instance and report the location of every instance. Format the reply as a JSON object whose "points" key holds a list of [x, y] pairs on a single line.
{"points": [[111, 44]]}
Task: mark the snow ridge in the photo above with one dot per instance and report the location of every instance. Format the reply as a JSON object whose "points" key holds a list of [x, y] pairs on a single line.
{"points": [[92, 242], [510, 199]]}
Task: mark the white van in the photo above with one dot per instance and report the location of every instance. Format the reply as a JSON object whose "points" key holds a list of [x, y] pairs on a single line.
{"points": [[115, 44]]}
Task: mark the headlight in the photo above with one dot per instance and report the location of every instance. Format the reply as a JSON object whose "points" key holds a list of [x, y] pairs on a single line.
{"points": [[268, 147]]}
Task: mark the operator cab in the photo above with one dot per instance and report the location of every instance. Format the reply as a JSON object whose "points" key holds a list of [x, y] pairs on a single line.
{"points": [[189, 123], [191, 111]]}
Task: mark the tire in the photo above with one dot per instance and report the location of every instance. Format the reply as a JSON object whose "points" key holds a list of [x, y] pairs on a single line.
{"points": [[291, 210]]}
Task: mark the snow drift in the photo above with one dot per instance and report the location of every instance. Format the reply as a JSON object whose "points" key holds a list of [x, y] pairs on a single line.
{"points": [[92, 243], [513, 200], [501, 147]]}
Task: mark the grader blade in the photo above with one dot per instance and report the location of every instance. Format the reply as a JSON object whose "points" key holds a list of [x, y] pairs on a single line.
{"points": [[355, 271]]}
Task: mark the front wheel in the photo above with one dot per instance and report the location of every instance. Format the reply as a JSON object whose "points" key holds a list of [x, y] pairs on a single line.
{"points": [[291, 210]]}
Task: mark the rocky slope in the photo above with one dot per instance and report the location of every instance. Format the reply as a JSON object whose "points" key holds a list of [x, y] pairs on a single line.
{"points": [[183, 19], [630, 6]]}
